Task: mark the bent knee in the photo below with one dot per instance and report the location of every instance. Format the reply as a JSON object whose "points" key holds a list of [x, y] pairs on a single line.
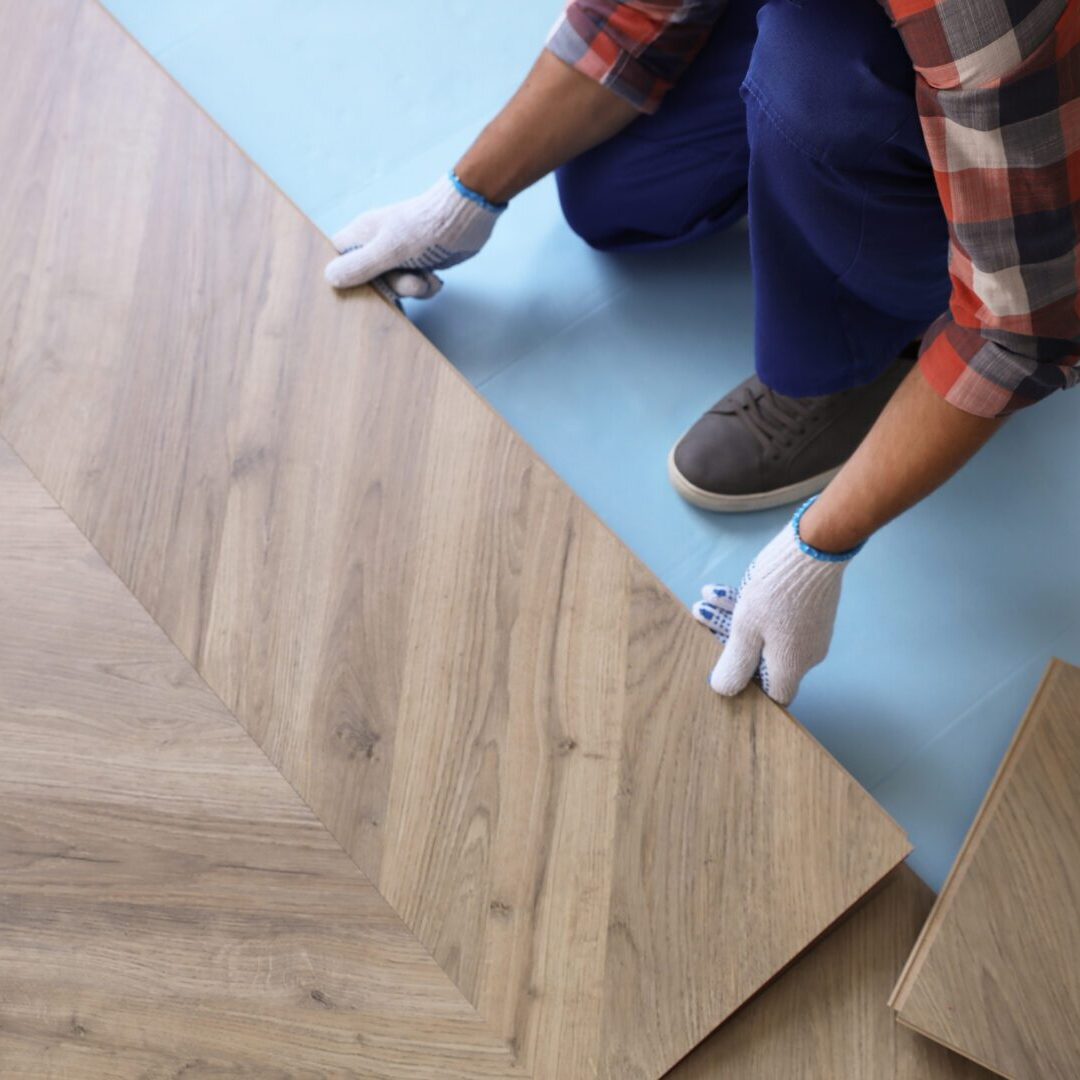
{"points": [[617, 198], [589, 203]]}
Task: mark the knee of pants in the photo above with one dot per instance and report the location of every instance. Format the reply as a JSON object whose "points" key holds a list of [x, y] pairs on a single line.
{"points": [[584, 195], [614, 199], [635, 194], [620, 198], [833, 78]]}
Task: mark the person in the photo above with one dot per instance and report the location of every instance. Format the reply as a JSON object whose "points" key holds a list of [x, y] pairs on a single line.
{"points": [[911, 175]]}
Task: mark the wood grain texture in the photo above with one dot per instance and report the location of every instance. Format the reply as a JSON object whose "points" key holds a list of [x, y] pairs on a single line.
{"points": [[828, 1018], [168, 905], [996, 971], [490, 704]]}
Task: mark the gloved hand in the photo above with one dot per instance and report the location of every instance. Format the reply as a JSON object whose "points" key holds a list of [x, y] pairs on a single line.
{"points": [[778, 624], [400, 245]]}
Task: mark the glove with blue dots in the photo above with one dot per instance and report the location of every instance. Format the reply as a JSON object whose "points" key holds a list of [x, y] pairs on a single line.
{"points": [[778, 624], [397, 248]]}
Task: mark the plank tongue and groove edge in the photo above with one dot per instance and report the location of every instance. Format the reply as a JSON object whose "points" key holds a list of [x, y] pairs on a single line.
{"points": [[493, 707], [995, 973], [168, 905]]}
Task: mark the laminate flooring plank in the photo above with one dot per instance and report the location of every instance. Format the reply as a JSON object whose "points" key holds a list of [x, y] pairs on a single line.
{"points": [[996, 972], [491, 705], [828, 1017], [168, 905]]}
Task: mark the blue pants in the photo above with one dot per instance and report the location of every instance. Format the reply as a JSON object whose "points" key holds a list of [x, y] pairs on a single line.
{"points": [[802, 114]]}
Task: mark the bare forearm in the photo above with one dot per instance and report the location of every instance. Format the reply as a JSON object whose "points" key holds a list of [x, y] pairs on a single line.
{"points": [[918, 442], [557, 114]]}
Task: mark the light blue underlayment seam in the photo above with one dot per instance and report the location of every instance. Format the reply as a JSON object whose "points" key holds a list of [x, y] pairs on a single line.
{"points": [[600, 362]]}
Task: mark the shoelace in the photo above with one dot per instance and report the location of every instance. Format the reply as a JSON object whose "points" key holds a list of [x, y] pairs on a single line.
{"points": [[769, 416]]}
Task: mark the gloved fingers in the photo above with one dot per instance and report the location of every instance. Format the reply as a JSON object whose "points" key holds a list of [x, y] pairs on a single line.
{"points": [[396, 285], [717, 619], [413, 284], [762, 675], [380, 285], [715, 607], [780, 678], [360, 230], [361, 265], [723, 596], [737, 664]]}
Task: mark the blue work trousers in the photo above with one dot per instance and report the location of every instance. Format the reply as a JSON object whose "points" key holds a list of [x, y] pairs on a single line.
{"points": [[800, 114]]}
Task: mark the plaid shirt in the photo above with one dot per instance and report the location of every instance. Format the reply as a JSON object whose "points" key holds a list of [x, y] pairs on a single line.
{"points": [[998, 92]]}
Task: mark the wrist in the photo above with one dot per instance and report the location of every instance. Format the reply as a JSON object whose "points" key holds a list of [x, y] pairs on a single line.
{"points": [[478, 181], [474, 197], [823, 539]]}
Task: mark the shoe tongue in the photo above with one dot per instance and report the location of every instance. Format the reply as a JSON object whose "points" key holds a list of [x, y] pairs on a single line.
{"points": [[766, 414], [770, 416], [745, 395]]}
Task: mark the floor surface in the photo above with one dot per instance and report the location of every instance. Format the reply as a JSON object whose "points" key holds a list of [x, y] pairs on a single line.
{"points": [[168, 904], [599, 362], [443, 651]]}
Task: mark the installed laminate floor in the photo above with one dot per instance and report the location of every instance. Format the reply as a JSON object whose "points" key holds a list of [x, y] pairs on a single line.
{"points": [[168, 905], [491, 706], [828, 1018], [995, 973]]}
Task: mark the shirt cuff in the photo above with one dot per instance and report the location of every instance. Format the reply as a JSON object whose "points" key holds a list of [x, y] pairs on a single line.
{"points": [[590, 49], [983, 377]]}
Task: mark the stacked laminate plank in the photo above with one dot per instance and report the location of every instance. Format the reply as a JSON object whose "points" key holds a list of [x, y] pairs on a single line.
{"points": [[996, 971], [828, 1018]]}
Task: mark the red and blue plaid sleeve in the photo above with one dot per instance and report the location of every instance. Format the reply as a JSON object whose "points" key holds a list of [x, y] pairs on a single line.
{"points": [[638, 48], [998, 88]]}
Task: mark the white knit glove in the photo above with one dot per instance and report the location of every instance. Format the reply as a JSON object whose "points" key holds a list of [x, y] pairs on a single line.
{"points": [[399, 246], [778, 624]]}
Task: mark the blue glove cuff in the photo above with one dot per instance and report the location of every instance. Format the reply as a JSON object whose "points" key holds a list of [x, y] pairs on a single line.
{"points": [[475, 196], [813, 552]]}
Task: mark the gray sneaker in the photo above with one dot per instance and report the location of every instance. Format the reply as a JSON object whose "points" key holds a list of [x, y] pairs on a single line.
{"points": [[756, 449]]}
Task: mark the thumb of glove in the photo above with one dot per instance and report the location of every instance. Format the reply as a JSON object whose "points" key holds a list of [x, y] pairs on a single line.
{"points": [[737, 664]]}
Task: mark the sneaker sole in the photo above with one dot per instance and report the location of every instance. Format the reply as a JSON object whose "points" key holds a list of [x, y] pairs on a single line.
{"points": [[759, 500]]}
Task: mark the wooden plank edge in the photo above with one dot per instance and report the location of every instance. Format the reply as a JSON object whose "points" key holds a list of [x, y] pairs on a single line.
{"points": [[859, 903], [952, 1049], [910, 972]]}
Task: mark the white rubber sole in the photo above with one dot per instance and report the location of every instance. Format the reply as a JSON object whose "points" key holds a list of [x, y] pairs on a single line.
{"points": [[759, 500]]}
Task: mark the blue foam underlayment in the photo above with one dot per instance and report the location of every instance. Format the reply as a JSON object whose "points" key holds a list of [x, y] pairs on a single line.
{"points": [[600, 362]]}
